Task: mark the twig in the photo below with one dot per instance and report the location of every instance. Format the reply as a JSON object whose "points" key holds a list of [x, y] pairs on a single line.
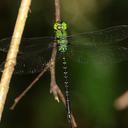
{"points": [[54, 88], [17, 99], [12, 53], [122, 101], [57, 10]]}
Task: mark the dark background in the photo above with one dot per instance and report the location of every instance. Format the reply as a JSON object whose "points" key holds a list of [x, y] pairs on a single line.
{"points": [[94, 87]]}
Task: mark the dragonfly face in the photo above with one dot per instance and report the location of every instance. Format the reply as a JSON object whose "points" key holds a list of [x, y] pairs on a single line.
{"points": [[61, 36]]}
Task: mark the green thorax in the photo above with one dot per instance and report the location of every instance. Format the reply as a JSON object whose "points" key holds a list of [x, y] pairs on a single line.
{"points": [[61, 36]]}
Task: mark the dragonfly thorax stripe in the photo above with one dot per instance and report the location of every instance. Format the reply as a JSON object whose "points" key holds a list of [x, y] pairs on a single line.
{"points": [[61, 36]]}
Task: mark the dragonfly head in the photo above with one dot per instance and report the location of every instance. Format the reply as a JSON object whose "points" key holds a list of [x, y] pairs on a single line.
{"points": [[60, 26]]}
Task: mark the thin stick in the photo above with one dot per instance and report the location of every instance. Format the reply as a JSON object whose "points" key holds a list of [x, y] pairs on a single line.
{"points": [[54, 88], [122, 101], [29, 87], [57, 10], [12, 53]]}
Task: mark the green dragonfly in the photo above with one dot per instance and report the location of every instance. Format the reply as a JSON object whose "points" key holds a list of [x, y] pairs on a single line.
{"points": [[106, 46]]}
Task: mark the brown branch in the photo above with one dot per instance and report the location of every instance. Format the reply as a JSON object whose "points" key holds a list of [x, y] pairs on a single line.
{"points": [[54, 88], [122, 101], [57, 11], [12, 53], [17, 99]]}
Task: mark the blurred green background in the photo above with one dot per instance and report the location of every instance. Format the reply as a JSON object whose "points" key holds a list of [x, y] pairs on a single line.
{"points": [[94, 87]]}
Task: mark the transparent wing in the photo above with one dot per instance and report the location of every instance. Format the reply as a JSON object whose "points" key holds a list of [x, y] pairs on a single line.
{"points": [[28, 45], [108, 45], [103, 37], [99, 54], [34, 53]]}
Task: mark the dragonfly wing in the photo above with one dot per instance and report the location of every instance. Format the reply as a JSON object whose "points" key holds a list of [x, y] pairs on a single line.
{"points": [[28, 45], [100, 54], [34, 53], [107, 36], [32, 63]]}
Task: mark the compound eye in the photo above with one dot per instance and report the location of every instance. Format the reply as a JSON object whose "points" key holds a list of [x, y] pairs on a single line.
{"points": [[56, 26], [59, 27], [64, 25]]}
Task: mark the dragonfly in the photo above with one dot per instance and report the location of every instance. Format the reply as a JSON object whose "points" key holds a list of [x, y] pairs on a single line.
{"points": [[108, 45]]}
